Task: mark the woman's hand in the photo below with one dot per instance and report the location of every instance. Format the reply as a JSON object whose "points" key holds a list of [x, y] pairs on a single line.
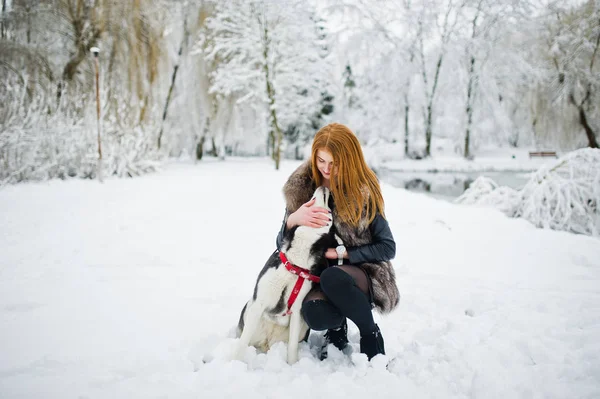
{"points": [[309, 215], [331, 253]]}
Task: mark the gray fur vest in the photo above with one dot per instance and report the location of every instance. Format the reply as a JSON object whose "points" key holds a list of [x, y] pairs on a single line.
{"points": [[298, 190]]}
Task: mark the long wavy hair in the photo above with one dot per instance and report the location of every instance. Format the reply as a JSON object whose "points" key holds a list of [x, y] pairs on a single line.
{"points": [[355, 187]]}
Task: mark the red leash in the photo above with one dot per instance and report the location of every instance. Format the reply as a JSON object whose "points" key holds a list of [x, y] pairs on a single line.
{"points": [[302, 274]]}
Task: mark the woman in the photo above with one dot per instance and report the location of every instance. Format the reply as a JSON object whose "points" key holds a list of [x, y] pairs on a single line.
{"points": [[362, 276]]}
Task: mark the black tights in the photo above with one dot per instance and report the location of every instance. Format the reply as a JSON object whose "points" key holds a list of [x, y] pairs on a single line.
{"points": [[343, 293]]}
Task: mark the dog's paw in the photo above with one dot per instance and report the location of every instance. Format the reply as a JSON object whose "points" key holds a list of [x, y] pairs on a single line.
{"points": [[243, 353], [292, 355], [239, 353]]}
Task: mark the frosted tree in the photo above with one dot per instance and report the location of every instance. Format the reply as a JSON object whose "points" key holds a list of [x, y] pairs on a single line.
{"points": [[383, 91], [573, 37], [268, 56], [479, 34], [422, 49], [445, 19], [562, 51], [411, 54], [418, 45], [202, 72], [376, 43], [300, 129], [505, 77], [472, 80]]}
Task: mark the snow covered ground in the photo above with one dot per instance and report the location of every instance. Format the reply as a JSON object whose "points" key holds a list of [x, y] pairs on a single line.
{"points": [[119, 290]]}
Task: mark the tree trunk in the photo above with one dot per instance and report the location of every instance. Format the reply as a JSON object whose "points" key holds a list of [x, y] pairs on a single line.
{"points": [[269, 145], [272, 144], [406, 131], [28, 12], [467, 151], [426, 115], [428, 131], [471, 88], [406, 101], [407, 114], [200, 144], [200, 148], [214, 151], [588, 130], [276, 132], [593, 143], [71, 67], [2, 27], [168, 101], [172, 86], [79, 17], [429, 128]]}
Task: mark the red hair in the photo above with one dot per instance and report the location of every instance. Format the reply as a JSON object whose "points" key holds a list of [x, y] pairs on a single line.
{"points": [[355, 185]]}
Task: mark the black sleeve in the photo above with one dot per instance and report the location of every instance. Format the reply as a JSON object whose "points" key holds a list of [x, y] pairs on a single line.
{"points": [[279, 239], [381, 248]]}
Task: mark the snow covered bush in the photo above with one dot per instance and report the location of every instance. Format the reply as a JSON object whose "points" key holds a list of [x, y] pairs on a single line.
{"points": [[481, 187], [62, 150], [562, 196], [131, 153], [486, 192], [502, 198], [565, 195]]}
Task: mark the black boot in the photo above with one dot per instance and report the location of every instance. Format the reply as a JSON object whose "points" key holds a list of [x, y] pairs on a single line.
{"points": [[372, 344], [338, 337]]}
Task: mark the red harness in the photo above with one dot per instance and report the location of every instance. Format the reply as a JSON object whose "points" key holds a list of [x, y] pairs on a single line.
{"points": [[302, 274]]}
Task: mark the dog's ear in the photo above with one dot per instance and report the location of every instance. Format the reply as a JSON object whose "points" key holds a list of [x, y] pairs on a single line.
{"points": [[330, 202], [332, 242], [320, 246]]}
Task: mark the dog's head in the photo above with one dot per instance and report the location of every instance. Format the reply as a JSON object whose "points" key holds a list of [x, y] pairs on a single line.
{"points": [[305, 246], [323, 198]]}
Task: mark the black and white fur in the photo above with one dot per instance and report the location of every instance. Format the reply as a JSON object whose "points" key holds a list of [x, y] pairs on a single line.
{"points": [[262, 321]]}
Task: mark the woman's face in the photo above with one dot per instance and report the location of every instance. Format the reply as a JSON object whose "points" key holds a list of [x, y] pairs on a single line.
{"points": [[325, 164]]}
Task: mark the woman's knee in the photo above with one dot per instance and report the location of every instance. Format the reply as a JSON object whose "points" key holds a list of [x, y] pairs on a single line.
{"points": [[321, 315], [359, 275], [334, 279]]}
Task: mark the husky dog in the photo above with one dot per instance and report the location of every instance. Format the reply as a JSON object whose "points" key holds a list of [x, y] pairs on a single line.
{"points": [[273, 313]]}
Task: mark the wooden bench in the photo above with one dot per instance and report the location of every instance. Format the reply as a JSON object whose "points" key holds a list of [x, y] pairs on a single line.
{"points": [[542, 154]]}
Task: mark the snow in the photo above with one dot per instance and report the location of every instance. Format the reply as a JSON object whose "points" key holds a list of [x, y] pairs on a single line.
{"points": [[121, 289]]}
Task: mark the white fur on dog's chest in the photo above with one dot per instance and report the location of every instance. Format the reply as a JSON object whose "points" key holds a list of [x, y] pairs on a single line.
{"points": [[280, 281], [299, 251], [274, 282]]}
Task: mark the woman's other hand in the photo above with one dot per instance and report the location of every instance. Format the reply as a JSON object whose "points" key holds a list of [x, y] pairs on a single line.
{"points": [[309, 215], [331, 253]]}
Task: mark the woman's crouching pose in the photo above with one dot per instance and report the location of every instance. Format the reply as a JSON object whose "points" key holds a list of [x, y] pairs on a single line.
{"points": [[361, 276]]}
